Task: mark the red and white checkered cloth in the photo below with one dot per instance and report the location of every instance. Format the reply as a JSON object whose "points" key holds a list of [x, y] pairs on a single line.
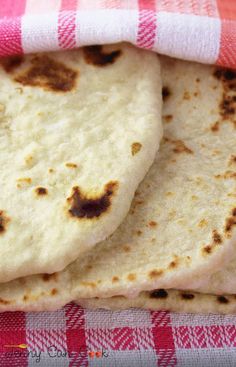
{"points": [[133, 338], [200, 30]]}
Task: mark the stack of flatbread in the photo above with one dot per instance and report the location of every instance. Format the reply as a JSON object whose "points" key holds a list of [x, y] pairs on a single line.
{"points": [[118, 182]]}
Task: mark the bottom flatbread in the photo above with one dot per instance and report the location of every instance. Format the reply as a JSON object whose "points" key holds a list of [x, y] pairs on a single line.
{"points": [[167, 300]]}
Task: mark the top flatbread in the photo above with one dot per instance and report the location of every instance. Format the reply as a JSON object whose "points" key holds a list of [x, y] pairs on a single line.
{"points": [[181, 226], [78, 131]]}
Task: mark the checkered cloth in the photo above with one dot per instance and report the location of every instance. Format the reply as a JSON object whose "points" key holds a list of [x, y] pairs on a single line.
{"points": [[133, 338], [200, 30]]}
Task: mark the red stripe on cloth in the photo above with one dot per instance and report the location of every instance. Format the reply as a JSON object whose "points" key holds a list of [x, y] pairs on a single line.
{"points": [[75, 336], [12, 8], [227, 53], [163, 341], [12, 332], [67, 24], [227, 9], [10, 27], [146, 24]]}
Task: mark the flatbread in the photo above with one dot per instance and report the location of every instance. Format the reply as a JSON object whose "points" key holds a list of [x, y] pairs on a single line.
{"points": [[167, 300], [181, 224], [78, 131]]}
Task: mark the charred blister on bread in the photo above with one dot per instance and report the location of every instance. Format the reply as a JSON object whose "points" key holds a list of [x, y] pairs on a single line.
{"points": [[227, 106], [50, 277], [165, 93], [41, 191], [222, 299], [49, 74], [230, 223], [91, 206], [94, 55], [159, 293], [187, 296], [216, 237], [4, 220], [11, 63]]}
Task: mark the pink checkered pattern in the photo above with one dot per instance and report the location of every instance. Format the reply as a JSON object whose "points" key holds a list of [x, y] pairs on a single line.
{"points": [[198, 30], [73, 337]]}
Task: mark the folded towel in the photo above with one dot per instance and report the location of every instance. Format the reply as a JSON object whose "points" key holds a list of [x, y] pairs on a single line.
{"points": [[198, 30]]}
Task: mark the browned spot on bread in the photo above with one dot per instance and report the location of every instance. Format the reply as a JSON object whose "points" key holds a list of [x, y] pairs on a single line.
{"points": [[135, 148], [186, 96], [96, 56], [41, 191], [48, 277], [138, 202], [25, 298], [197, 80], [222, 299], [187, 296], [115, 279], [165, 93], [24, 180], [155, 273], [196, 94], [225, 75], [71, 165], [226, 175], [89, 284], [159, 293], [202, 223], [230, 222], [4, 301], [54, 291], [152, 224], [169, 193], [4, 220], [91, 206], [227, 106], [173, 264], [9, 64], [131, 277], [179, 146], [48, 74], [126, 248], [168, 118], [215, 127], [232, 160], [207, 249], [139, 233], [51, 170], [216, 237]]}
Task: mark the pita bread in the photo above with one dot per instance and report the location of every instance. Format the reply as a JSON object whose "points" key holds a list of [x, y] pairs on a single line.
{"points": [[181, 226], [180, 217], [79, 130], [167, 300]]}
